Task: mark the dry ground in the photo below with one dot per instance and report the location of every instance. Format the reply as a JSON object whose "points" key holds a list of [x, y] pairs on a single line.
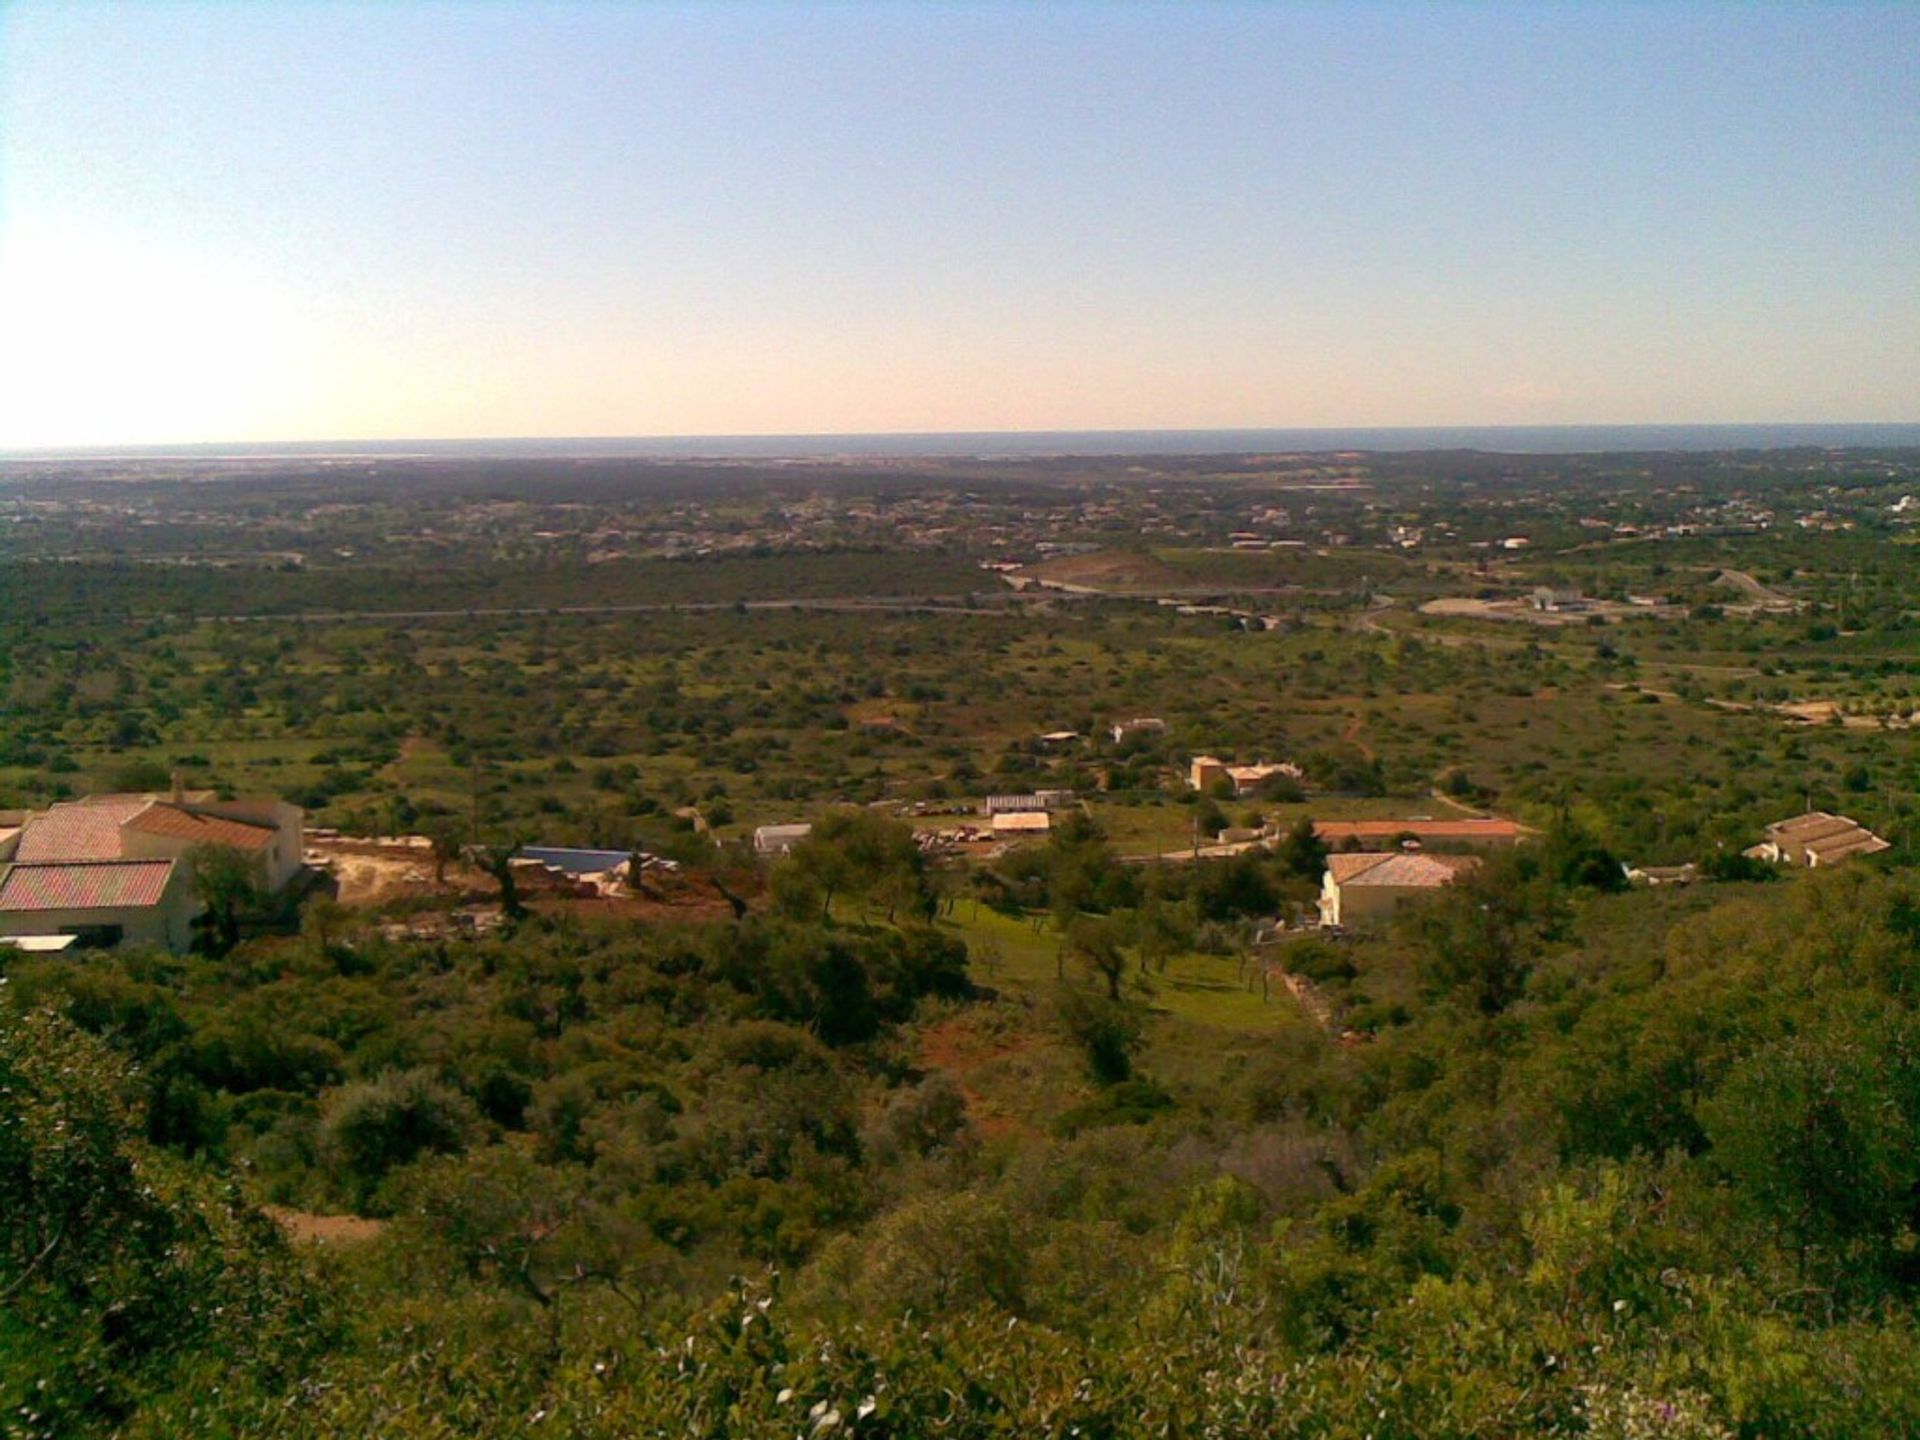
{"points": [[303, 1227], [1107, 570]]}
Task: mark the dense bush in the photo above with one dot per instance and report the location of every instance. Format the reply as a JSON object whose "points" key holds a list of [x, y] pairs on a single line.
{"points": [[120, 1264], [372, 1127], [1666, 1182]]}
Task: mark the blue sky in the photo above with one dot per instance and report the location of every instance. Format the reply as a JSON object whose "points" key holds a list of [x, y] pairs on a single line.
{"points": [[254, 222]]}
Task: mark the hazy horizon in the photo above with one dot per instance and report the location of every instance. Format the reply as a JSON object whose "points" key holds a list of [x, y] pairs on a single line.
{"points": [[1015, 444], [243, 223]]}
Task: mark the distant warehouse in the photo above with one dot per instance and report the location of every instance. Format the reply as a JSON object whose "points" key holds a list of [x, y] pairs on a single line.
{"points": [[1022, 822], [779, 839], [1014, 805], [1039, 802]]}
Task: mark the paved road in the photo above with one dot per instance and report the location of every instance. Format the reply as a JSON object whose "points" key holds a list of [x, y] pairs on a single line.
{"points": [[944, 604], [1207, 852]]}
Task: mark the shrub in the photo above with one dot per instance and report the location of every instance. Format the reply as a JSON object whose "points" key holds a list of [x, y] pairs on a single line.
{"points": [[374, 1127], [1131, 1102], [921, 1120], [1107, 1032]]}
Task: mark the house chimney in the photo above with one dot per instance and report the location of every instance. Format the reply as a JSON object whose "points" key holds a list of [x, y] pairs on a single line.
{"points": [[179, 792]]}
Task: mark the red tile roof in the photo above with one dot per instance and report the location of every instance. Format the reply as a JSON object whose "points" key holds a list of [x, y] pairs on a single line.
{"points": [[181, 824], [91, 829], [85, 885], [1814, 825], [1395, 868], [1345, 866], [1840, 847], [1827, 838], [80, 830]]}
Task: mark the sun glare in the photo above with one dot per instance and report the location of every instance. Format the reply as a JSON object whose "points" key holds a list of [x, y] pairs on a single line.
{"points": [[110, 341]]}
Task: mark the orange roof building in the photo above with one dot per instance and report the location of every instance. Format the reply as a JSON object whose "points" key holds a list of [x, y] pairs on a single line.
{"points": [[174, 822], [111, 867], [79, 829], [103, 902], [1375, 833]]}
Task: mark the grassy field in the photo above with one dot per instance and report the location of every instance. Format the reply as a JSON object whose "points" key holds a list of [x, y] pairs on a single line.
{"points": [[1016, 955]]}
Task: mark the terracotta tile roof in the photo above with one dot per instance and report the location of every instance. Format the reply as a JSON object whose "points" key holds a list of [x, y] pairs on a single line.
{"points": [[1395, 868], [85, 885], [1814, 825], [1344, 867], [1839, 847], [1827, 837], [172, 820], [80, 830], [90, 829]]}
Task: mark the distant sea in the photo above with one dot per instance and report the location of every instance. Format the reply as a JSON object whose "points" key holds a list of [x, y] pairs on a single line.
{"points": [[1041, 444]]}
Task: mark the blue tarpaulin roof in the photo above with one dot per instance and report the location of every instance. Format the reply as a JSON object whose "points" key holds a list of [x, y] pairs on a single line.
{"points": [[574, 862]]}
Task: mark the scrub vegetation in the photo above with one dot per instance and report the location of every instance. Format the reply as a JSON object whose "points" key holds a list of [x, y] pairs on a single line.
{"points": [[1083, 1134]]}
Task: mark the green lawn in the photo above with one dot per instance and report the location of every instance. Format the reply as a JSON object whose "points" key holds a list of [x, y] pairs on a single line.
{"points": [[1145, 829], [1012, 954]]}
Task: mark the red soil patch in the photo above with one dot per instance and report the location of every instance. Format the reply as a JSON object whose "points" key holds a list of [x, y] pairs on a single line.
{"points": [[958, 1047], [692, 907], [682, 897]]}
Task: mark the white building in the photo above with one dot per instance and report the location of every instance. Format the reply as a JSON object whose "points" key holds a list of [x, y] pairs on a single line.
{"points": [[115, 867], [1363, 887], [779, 839], [1022, 822], [1139, 725]]}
